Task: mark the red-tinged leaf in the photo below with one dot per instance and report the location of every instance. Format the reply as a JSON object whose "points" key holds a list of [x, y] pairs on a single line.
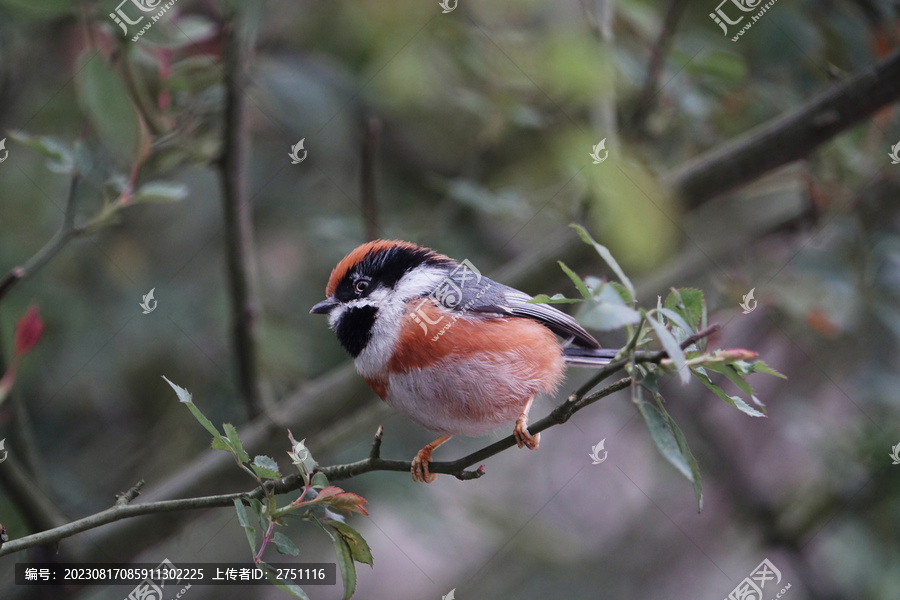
{"points": [[349, 502], [338, 499], [29, 331]]}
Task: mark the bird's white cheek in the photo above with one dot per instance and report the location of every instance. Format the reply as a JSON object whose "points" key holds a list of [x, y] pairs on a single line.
{"points": [[334, 316], [373, 360]]}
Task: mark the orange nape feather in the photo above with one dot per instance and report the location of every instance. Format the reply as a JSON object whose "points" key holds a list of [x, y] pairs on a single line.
{"points": [[347, 263]]}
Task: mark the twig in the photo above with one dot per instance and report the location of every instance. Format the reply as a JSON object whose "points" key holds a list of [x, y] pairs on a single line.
{"points": [[367, 181], [646, 100], [38, 510], [373, 462], [64, 234], [295, 482], [239, 247], [790, 137], [655, 357], [131, 494], [376, 443]]}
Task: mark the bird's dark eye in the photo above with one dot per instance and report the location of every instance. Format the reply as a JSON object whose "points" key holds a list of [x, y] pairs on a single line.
{"points": [[361, 286]]}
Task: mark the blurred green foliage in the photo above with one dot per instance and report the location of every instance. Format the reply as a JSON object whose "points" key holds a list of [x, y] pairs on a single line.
{"points": [[488, 116]]}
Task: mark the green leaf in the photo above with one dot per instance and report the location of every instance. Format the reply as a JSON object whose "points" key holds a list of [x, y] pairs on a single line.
{"points": [[554, 299], [684, 329], [735, 378], [234, 442], [319, 481], [735, 401], [284, 586], [759, 366], [623, 292], [244, 520], [607, 256], [664, 439], [359, 548], [671, 346], [257, 507], [266, 467], [689, 303], [608, 311], [60, 159], [689, 457], [345, 563], [105, 99], [284, 545], [184, 397], [579, 284], [606, 317], [161, 191]]}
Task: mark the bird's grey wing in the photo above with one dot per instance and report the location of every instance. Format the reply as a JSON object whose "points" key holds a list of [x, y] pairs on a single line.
{"points": [[486, 296]]}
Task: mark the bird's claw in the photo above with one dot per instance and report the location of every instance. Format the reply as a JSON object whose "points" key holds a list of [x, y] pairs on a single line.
{"points": [[419, 467], [524, 438]]}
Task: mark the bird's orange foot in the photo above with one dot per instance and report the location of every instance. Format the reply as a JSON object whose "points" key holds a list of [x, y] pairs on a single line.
{"points": [[419, 468], [523, 436]]}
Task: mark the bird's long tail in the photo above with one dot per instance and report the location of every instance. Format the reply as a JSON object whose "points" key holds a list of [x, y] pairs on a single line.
{"points": [[588, 357]]}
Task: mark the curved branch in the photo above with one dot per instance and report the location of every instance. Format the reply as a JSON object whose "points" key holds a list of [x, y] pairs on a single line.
{"points": [[294, 482], [458, 468], [792, 136]]}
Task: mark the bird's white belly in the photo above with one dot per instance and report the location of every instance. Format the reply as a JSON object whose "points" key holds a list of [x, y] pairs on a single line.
{"points": [[471, 398]]}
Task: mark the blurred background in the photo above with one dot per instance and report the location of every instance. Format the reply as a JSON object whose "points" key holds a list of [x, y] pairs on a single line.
{"points": [[467, 128]]}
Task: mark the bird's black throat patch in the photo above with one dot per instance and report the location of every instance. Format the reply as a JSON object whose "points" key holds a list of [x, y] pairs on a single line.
{"points": [[354, 328]]}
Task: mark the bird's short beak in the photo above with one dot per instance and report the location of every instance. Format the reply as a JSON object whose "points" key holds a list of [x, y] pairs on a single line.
{"points": [[324, 307]]}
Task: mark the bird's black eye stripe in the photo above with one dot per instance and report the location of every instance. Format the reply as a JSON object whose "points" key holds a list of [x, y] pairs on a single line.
{"points": [[386, 268]]}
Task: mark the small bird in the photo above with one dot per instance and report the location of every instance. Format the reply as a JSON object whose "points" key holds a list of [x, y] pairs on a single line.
{"points": [[453, 350]]}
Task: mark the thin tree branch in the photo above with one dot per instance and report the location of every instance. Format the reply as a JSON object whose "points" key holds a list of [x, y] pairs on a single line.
{"points": [[792, 136], [239, 247], [654, 357], [123, 510], [646, 100], [64, 234], [36, 507]]}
